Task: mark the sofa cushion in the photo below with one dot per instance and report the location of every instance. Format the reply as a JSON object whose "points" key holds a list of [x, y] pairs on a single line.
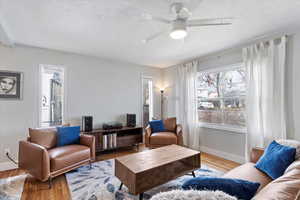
{"points": [[294, 165], [286, 187], [68, 135], [65, 156], [248, 172], [45, 137], [241, 189], [170, 124], [276, 159], [163, 138], [157, 126]]}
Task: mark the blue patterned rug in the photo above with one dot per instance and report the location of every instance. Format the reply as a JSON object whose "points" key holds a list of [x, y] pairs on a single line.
{"points": [[11, 188], [99, 183]]}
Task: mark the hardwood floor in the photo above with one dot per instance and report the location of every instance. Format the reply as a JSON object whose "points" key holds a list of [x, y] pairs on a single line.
{"points": [[217, 162], [35, 190]]}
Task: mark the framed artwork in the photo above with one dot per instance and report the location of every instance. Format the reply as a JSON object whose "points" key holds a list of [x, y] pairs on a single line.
{"points": [[11, 85]]}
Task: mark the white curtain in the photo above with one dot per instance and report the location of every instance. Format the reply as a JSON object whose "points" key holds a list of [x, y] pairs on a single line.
{"points": [[186, 104], [265, 110]]}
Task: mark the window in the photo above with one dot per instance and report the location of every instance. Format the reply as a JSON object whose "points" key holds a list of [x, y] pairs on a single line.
{"points": [[51, 95], [221, 98]]}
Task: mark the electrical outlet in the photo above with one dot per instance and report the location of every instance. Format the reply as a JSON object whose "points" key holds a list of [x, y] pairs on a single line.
{"points": [[7, 150]]}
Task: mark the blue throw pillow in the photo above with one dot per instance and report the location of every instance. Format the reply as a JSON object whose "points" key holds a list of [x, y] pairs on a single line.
{"points": [[235, 187], [68, 135], [157, 126], [276, 159]]}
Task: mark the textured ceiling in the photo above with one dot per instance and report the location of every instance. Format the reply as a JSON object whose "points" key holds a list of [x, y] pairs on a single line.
{"points": [[114, 29]]}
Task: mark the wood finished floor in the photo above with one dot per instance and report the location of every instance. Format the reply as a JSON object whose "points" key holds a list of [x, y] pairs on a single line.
{"points": [[35, 190]]}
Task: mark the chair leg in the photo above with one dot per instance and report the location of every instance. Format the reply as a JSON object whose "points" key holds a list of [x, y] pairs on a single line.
{"points": [[120, 187], [193, 174], [50, 182], [141, 196], [90, 163]]}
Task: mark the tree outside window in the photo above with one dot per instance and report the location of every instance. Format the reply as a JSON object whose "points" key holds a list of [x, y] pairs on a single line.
{"points": [[221, 97]]}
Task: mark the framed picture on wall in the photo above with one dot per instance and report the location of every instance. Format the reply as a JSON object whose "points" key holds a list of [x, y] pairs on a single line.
{"points": [[11, 85]]}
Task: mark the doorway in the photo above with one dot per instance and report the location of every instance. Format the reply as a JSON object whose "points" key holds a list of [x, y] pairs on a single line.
{"points": [[147, 90]]}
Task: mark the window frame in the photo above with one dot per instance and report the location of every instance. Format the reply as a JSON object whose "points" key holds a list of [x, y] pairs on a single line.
{"points": [[64, 110], [224, 127]]}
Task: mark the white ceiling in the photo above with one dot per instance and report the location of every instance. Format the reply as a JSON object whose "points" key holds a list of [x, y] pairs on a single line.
{"points": [[114, 29]]}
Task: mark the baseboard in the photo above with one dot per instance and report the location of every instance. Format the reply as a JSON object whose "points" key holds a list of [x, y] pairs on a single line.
{"points": [[222, 154], [7, 166]]}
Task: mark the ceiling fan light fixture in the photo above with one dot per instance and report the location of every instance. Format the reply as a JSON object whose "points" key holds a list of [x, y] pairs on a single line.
{"points": [[178, 29], [181, 22], [178, 34]]}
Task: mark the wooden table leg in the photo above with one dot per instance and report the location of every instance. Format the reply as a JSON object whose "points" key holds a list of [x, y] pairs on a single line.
{"points": [[120, 188], [141, 196], [193, 173], [50, 182]]}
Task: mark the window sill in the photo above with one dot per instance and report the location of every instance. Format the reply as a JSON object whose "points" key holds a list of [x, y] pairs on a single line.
{"points": [[231, 129]]}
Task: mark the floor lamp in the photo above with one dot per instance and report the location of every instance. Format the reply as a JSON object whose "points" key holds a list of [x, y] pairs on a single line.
{"points": [[162, 104]]}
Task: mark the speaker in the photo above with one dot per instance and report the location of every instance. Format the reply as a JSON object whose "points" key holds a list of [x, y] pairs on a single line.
{"points": [[87, 123], [131, 120]]}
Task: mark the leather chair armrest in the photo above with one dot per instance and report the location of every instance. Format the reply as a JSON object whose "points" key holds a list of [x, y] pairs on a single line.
{"points": [[179, 134], [89, 140], [35, 159], [148, 133], [256, 153]]}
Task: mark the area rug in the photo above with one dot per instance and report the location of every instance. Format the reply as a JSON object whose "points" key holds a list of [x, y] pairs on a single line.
{"points": [[99, 183], [11, 188]]}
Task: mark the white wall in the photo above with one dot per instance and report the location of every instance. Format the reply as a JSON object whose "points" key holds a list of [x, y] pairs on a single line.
{"points": [[230, 145], [105, 89]]}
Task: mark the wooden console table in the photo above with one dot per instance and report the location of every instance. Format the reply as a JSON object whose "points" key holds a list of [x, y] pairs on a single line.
{"points": [[126, 136]]}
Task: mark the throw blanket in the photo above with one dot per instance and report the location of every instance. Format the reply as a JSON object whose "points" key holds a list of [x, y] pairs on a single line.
{"points": [[193, 195]]}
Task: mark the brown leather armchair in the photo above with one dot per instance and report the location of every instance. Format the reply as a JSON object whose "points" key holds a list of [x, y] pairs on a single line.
{"points": [[44, 161], [172, 135]]}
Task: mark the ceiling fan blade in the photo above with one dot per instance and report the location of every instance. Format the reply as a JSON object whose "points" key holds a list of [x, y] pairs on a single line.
{"points": [[209, 22], [156, 18], [160, 19], [152, 37]]}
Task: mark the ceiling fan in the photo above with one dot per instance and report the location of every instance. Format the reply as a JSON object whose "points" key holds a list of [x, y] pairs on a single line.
{"points": [[181, 23]]}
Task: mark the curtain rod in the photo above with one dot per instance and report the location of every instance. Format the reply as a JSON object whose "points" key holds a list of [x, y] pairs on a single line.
{"points": [[226, 51], [240, 46]]}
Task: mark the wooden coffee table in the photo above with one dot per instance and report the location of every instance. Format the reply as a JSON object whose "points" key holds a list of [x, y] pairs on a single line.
{"points": [[145, 170]]}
